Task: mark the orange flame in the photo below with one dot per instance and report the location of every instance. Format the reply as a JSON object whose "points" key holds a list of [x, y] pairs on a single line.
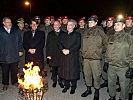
{"points": [[32, 80]]}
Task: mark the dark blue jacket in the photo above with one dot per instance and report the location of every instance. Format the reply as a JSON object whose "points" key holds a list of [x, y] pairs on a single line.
{"points": [[10, 45]]}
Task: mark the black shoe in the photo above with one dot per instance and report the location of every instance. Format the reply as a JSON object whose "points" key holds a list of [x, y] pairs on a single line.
{"points": [[64, 90], [96, 95], [105, 84], [118, 89], [54, 85], [61, 85], [112, 98], [87, 92], [72, 91], [130, 96]]}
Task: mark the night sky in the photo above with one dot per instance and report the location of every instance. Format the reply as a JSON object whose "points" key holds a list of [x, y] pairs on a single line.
{"points": [[73, 8]]}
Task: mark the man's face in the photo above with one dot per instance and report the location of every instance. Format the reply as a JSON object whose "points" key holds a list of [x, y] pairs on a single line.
{"points": [[109, 23], [34, 25], [21, 25], [119, 26], [81, 23], [129, 23], [56, 25], [92, 23], [47, 21], [70, 26], [65, 21], [7, 23]]}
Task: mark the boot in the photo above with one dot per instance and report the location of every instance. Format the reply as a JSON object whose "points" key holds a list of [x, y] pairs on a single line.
{"points": [[112, 98], [130, 96], [96, 95], [87, 92], [105, 84]]}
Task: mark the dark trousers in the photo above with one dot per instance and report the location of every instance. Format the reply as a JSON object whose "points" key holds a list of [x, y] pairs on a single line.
{"points": [[5, 73], [55, 76], [70, 83]]}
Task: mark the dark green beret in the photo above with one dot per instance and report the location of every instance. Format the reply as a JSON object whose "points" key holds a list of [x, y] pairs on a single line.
{"points": [[92, 19], [119, 20]]}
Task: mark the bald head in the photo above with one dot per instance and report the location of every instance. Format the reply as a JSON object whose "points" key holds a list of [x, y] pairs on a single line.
{"points": [[57, 25]]}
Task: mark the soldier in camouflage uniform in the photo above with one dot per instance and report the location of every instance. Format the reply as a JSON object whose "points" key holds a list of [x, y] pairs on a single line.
{"points": [[119, 60], [64, 23], [38, 19], [108, 31], [129, 30], [81, 29], [59, 19], [21, 29], [46, 28], [94, 40]]}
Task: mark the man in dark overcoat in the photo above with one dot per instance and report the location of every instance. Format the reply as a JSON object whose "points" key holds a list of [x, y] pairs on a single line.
{"points": [[10, 49], [33, 42], [69, 45], [53, 53]]}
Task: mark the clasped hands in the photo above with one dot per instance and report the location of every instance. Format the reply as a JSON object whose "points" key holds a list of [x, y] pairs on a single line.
{"points": [[66, 51], [32, 51]]}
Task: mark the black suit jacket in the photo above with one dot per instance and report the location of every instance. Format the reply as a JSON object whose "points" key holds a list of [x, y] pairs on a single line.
{"points": [[37, 42]]}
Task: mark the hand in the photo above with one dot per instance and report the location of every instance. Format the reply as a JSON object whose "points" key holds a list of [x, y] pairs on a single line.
{"points": [[49, 57], [105, 67], [20, 54], [129, 73], [32, 51], [65, 51]]}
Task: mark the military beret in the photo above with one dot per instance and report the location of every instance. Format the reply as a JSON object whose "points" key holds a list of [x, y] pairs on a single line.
{"points": [[51, 17], [129, 18], [110, 19], [64, 17], [94, 16], [92, 19], [119, 20], [59, 18], [81, 19], [37, 17], [20, 20], [47, 18]]}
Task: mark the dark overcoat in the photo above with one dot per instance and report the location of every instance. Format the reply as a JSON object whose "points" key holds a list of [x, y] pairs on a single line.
{"points": [[10, 45], [52, 48], [69, 64], [37, 42]]}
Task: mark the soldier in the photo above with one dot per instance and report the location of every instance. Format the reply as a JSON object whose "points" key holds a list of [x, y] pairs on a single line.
{"points": [[26, 26], [38, 19], [52, 19], [94, 41], [81, 29], [21, 30], [108, 31], [64, 23], [129, 24], [59, 19], [46, 28], [119, 60], [103, 24], [129, 30]]}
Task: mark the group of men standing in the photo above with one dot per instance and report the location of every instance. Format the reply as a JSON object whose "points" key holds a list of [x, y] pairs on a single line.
{"points": [[105, 52]]}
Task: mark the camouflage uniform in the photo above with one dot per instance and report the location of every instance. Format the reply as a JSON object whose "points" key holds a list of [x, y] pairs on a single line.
{"points": [[94, 40], [46, 29], [119, 57]]}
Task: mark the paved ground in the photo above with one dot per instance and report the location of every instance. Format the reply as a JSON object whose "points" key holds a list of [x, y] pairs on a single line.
{"points": [[54, 93]]}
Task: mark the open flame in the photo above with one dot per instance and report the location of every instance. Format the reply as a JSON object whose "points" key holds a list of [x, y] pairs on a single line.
{"points": [[32, 80]]}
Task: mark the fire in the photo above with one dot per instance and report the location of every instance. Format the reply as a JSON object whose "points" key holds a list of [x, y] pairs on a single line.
{"points": [[32, 80]]}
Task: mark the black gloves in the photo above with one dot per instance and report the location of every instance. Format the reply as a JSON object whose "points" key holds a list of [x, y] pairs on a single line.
{"points": [[105, 67], [129, 73]]}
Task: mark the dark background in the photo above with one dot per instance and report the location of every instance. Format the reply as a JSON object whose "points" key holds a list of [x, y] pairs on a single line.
{"points": [[72, 8]]}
